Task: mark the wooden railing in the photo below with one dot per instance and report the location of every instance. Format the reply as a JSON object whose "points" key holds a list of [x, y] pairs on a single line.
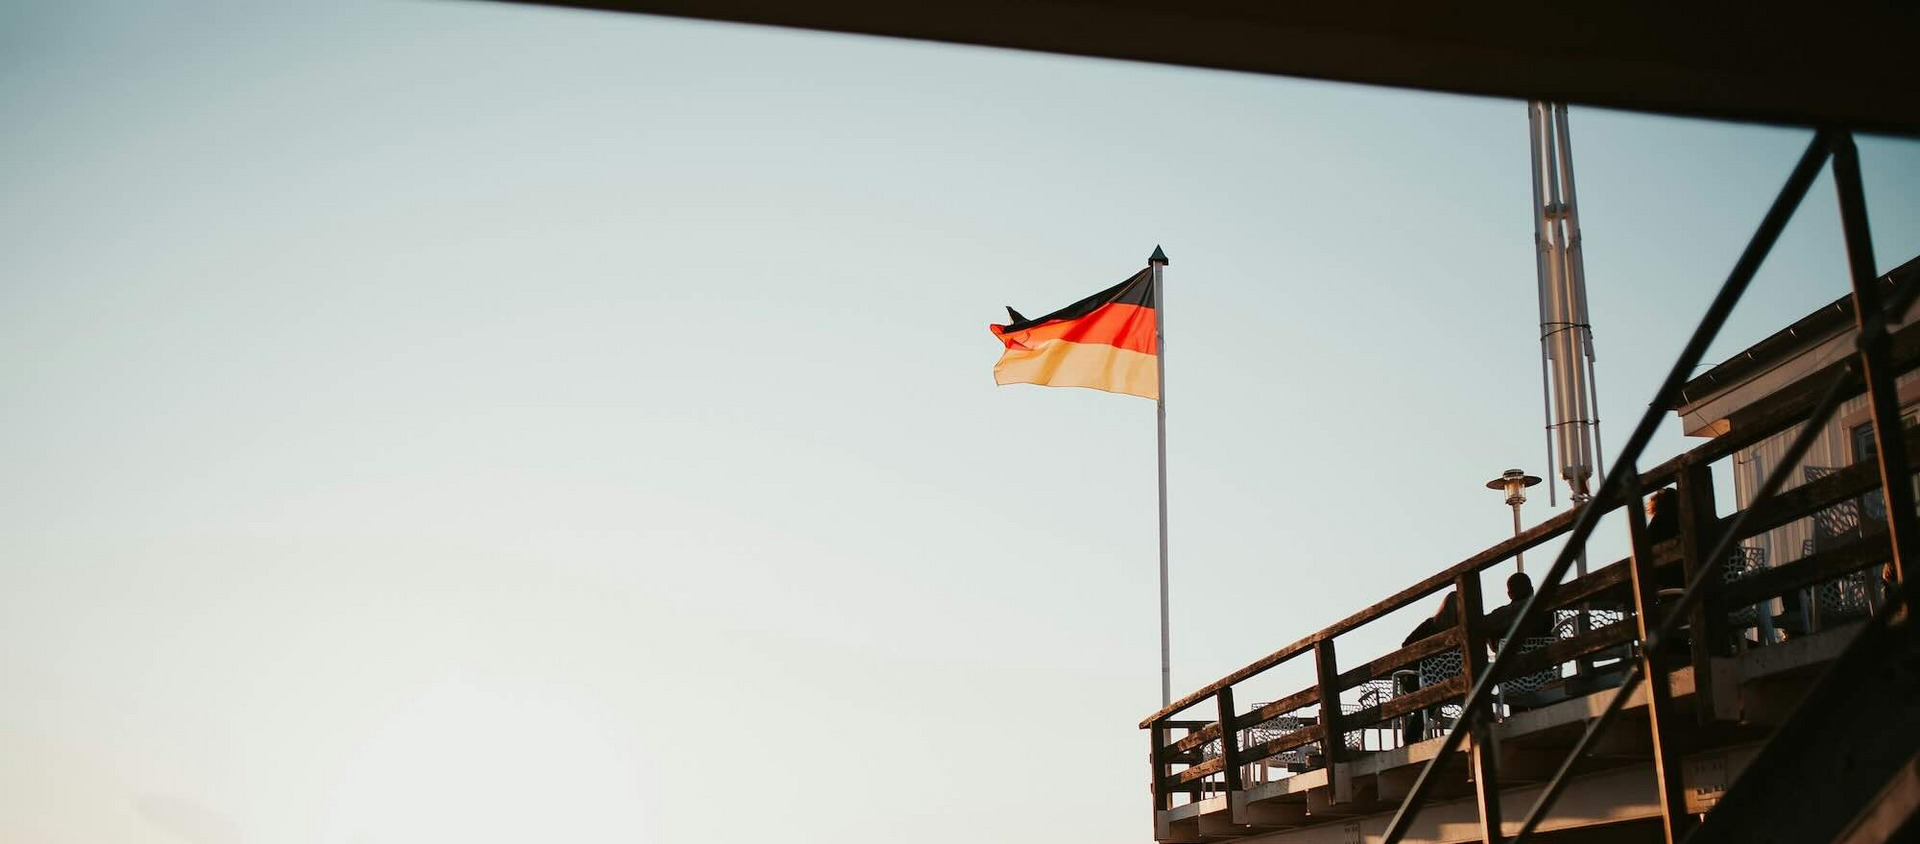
{"points": [[1183, 758]]}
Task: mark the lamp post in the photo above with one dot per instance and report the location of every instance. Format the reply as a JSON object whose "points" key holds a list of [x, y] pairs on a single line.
{"points": [[1514, 483]]}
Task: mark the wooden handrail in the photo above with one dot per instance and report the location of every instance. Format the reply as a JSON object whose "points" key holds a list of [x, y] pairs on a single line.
{"points": [[1394, 707], [1566, 650], [1826, 565], [1267, 749], [1492, 556], [1777, 412], [1403, 657]]}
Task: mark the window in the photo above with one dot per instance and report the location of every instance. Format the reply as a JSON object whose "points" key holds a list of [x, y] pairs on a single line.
{"points": [[1873, 505]]}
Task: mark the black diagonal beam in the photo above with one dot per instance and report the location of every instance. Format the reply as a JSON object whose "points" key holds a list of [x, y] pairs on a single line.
{"points": [[1843, 385], [1882, 394], [1715, 318]]}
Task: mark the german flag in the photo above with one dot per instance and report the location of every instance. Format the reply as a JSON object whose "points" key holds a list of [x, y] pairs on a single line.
{"points": [[1106, 341]]}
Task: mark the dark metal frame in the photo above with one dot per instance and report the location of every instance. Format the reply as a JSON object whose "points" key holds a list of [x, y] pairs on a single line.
{"points": [[1184, 764], [1872, 364]]}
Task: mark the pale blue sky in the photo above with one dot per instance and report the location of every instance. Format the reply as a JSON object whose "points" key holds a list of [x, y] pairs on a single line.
{"points": [[456, 421]]}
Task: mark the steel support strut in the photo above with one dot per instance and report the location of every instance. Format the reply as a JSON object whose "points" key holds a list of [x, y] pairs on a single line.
{"points": [[1871, 318], [1711, 322], [1695, 593], [1843, 384]]}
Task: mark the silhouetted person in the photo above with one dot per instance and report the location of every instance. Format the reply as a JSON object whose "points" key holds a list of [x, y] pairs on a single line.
{"points": [[1663, 523], [1447, 616], [1519, 589]]}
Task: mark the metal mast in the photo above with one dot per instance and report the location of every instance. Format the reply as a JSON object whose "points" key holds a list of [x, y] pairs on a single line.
{"points": [[1159, 264], [1566, 336]]}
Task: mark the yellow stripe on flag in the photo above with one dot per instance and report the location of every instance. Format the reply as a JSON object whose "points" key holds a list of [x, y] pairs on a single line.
{"points": [[1060, 363]]}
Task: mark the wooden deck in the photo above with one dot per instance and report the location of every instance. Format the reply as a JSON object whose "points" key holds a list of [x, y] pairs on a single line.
{"points": [[1288, 770], [1617, 790]]}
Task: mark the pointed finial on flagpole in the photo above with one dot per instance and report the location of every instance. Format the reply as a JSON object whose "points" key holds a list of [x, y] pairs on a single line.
{"points": [[1159, 257]]}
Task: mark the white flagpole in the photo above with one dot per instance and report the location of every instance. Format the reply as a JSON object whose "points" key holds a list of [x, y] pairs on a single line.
{"points": [[1159, 264]]}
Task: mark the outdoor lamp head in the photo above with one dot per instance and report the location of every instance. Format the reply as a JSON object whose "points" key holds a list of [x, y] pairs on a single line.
{"points": [[1514, 483]]}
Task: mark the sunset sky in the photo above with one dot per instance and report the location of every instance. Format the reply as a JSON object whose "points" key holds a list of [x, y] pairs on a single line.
{"points": [[457, 421]]}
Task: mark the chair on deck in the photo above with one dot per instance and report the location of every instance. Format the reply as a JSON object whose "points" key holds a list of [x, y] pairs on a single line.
{"points": [[1845, 599], [1740, 563], [1435, 670], [1268, 730], [1567, 624], [1836, 523], [1522, 692], [1373, 693], [1849, 597]]}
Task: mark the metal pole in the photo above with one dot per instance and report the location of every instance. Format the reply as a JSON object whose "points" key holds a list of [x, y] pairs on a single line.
{"points": [[1541, 257], [1580, 328], [1159, 264], [1519, 557]]}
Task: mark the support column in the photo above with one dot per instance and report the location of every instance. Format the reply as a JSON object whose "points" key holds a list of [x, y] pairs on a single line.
{"points": [[1473, 664], [1674, 820], [1333, 736], [1699, 530], [1229, 743]]}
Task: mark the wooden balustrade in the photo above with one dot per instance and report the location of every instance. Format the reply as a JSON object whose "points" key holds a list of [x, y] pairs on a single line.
{"points": [[1613, 584]]}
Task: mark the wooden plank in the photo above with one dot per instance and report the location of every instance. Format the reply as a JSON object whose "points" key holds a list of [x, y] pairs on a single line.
{"points": [[1395, 707], [1326, 671], [1229, 742], [1806, 571], [1298, 700], [1405, 656], [1211, 730], [1765, 418], [1498, 553], [1699, 531], [1791, 505], [1484, 759], [1305, 735], [1162, 798], [1562, 651], [1611, 577], [1661, 725], [1200, 771], [1197, 738], [1567, 650]]}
